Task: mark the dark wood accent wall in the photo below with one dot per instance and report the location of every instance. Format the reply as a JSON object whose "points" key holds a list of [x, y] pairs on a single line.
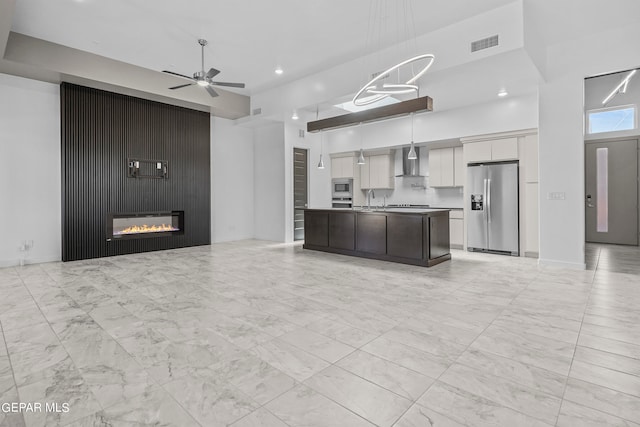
{"points": [[100, 131]]}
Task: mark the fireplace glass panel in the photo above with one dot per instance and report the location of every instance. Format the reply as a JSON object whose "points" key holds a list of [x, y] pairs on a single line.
{"points": [[145, 224]]}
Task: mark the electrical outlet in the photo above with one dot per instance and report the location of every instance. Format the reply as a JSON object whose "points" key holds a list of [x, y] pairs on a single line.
{"points": [[559, 195], [25, 246]]}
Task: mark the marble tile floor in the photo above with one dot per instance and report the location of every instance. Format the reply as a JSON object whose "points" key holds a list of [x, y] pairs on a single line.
{"points": [[257, 334]]}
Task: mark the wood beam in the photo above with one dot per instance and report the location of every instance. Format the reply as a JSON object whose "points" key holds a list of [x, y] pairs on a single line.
{"points": [[416, 105]]}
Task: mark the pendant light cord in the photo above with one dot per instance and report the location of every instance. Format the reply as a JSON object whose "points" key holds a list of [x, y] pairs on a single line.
{"points": [[412, 114]]}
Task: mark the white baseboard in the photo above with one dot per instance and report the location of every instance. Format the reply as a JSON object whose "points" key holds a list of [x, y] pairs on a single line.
{"points": [[562, 264], [29, 261]]}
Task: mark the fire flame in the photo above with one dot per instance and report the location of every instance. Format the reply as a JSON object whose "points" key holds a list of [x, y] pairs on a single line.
{"points": [[136, 229]]}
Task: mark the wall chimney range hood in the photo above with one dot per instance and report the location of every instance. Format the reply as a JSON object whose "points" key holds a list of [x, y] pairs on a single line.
{"points": [[410, 168]]}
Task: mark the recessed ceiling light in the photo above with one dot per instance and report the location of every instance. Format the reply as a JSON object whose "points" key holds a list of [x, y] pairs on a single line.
{"points": [[294, 116], [279, 71], [503, 93]]}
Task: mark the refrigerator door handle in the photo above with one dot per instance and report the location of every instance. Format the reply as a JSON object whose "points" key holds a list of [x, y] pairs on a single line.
{"points": [[489, 200], [485, 213]]}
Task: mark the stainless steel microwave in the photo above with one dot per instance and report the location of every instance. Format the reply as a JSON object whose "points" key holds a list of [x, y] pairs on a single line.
{"points": [[342, 187]]}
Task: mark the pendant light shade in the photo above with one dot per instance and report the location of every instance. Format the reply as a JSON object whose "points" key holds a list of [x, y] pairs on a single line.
{"points": [[361, 157], [412, 152], [321, 162]]}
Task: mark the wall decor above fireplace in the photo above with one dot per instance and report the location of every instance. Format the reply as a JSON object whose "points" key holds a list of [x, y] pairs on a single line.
{"points": [[155, 169]]}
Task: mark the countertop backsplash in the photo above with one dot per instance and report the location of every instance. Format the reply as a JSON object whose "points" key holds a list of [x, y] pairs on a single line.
{"points": [[412, 191], [416, 190]]}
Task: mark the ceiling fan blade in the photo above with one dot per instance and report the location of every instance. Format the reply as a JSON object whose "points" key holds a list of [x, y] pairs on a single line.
{"points": [[177, 74], [212, 92], [212, 73], [240, 85], [181, 86]]}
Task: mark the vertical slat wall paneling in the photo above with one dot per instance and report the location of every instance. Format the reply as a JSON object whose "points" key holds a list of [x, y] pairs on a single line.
{"points": [[100, 131]]}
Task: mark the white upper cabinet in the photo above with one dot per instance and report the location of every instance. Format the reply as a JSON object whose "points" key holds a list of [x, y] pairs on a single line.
{"points": [[443, 170], [342, 167], [458, 167], [477, 152], [531, 158], [495, 150], [365, 175], [377, 172], [504, 149]]}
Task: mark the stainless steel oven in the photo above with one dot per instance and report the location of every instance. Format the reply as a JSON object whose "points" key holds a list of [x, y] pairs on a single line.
{"points": [[342, 202], [342, 188]]}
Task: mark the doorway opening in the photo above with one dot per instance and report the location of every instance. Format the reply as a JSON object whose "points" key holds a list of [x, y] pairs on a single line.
{"points": [[300, 190]]}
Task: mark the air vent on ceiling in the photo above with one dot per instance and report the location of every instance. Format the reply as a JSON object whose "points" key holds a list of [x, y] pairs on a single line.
{"points": [[257, 111], [374, 75], [484, 43], [300, 133]]}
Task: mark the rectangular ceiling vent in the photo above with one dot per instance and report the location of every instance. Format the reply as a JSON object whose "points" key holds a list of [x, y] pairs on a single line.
{"points": [[257, 111], [374, 75], [300, 133], [484, 43]]}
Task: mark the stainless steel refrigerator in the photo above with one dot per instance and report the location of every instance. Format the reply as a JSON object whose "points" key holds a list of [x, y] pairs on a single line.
{"points": [[493, 224]]}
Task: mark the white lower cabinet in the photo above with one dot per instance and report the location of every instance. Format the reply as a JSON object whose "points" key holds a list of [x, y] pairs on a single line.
{"points": [[456, 229], [531, 238]]}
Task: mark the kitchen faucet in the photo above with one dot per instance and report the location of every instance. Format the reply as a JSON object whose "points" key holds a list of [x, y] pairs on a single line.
{"points": [[369, 193]]}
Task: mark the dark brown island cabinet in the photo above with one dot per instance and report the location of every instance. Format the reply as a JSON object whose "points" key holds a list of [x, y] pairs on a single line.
{"points": [[416, 237]]}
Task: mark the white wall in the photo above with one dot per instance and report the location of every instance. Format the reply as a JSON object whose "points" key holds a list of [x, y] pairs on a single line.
{"points": [[319, 179], [232, 181], [30, 180], [561, 135], [269, 183]]}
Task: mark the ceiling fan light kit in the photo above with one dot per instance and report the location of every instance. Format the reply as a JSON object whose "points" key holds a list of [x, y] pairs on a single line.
{"points": [[202, 78]]}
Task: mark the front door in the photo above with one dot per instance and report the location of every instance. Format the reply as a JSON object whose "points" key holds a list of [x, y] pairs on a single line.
{"points": [[611, 199]]}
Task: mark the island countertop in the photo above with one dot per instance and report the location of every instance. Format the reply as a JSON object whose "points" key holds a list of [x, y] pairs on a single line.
{"points": [[417, 236], [383, 210]]}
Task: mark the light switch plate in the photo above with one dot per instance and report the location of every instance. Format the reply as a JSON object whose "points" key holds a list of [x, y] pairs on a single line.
{"points": [[559, 195]]}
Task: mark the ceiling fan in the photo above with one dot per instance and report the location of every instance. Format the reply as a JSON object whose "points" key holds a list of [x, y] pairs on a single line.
{"points": [[204, 79]]}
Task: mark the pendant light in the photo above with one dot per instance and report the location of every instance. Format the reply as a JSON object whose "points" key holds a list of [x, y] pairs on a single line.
{"points": [[361, 158], [321, 162], [382, 85], [412, 151]]}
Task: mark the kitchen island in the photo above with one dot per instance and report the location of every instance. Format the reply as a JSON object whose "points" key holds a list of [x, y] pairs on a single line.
{"points": [[408, 236]]}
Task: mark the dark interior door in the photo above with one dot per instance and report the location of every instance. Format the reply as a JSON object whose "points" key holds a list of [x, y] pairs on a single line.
{"points": [[300, 196]]}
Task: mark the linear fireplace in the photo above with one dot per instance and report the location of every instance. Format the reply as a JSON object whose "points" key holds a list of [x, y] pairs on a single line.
{"points": [[144, 224]]}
